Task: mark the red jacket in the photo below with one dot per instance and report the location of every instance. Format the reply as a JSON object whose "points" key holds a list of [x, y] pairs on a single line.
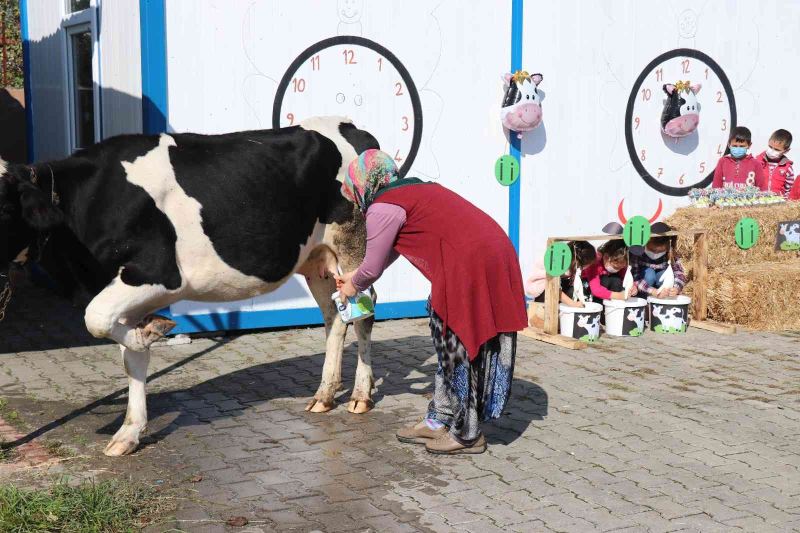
{"points": [[476, 283], [744, 171], [592, 274], [781, 177], [794, 193]]}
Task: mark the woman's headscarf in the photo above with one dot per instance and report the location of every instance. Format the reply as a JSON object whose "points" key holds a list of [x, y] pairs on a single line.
{"points": [[367, 174]]}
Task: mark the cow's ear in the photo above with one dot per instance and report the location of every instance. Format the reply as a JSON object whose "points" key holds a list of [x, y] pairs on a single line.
{"points": [[506, 78], [537, 79], [696, 88], [669, 88], [37, 210]]}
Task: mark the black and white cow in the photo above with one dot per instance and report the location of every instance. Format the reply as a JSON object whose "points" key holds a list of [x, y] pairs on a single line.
{"points": [[522, 104], [681, 113], [138, 222]]}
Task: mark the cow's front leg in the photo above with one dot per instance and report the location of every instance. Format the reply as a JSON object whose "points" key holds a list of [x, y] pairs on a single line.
{"points": [[126, 439], [335, 331], [361, 399], [104, 314]]}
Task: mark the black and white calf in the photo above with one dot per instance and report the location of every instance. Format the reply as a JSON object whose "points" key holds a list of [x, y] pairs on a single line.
{"points": [[138, 222]]}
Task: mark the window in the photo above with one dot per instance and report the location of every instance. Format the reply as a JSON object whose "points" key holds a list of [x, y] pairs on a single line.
{"points": [[74, 6], [81, 85]]}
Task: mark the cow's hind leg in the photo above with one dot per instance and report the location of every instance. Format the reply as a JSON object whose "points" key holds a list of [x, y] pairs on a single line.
{"points": [[335, 330], [126, 439], [361, 399]]}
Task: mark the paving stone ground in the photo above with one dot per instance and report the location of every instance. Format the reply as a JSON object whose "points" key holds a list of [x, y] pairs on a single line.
{"points": [[697, 432]]}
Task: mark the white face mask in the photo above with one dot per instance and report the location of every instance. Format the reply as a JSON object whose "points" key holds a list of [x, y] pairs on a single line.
{"points": [[654, 255], [774, 154], [610, 269]]}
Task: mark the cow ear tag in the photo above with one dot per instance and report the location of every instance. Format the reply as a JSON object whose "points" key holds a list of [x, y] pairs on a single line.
{"points": [[506, 170], [746, 233], [636, 231], [557, 259]]}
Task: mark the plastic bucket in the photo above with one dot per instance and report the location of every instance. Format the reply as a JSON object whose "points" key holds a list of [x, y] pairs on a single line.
{"points": [[355, 308], [669, 315], [582, 323], [625, 318]]}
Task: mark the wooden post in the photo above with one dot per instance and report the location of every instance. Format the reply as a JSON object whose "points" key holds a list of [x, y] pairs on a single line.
{"points": [[700, 309], [552, 297]]}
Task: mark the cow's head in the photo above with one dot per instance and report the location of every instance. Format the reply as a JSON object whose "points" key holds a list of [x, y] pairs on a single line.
{"points": [[522, 103], [25, 211], [681, 113]]}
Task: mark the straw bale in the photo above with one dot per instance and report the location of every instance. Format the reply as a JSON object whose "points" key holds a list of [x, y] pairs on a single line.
{"points": [[720, 223], [764, 296]]}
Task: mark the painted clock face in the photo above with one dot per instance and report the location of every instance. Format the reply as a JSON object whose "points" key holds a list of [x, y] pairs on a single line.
{"points": [[360, 79], [673, 165]]}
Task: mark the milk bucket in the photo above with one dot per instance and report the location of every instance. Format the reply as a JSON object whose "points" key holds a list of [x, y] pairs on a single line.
{"points": [[582, 323], [355, 308], [669, 315], [625, 318]]}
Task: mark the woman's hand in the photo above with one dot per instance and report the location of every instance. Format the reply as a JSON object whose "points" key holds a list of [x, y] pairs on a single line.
{"points": [[347, 289], [633, 292], [344, 278]]}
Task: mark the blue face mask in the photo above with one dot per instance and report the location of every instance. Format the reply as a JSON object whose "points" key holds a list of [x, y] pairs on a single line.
{"points": [[738, 152]]}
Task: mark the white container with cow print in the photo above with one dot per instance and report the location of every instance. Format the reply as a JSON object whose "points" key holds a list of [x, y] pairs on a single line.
{"points": [[625, 318], [669, 315], [582, 323]]}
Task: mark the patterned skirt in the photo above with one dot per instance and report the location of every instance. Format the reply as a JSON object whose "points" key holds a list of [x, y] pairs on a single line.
{"points": [[468, 393]]}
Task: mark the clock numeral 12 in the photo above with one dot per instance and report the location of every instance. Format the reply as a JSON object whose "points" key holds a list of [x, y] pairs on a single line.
{"points": [[349, 57], [315, 62], [685, 66], [405, 124], [298, 85], [399, 89]]}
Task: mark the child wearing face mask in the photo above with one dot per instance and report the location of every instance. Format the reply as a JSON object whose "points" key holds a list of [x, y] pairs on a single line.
{"points": [[606, 275], [649, 263], [738, 168], [583, 255], [776, 166]]}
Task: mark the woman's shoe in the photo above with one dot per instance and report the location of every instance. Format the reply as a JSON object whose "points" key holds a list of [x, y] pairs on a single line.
{"points": [[420, 433], [447, 445]]}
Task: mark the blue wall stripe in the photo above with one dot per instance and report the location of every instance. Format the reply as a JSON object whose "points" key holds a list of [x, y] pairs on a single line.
{"points": [[152, 21], [514, 148], [238, 320], [26, 70]]}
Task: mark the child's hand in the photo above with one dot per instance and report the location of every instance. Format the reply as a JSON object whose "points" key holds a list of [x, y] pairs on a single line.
{"points": [[618, 296], [633, 292], [574, 303]]}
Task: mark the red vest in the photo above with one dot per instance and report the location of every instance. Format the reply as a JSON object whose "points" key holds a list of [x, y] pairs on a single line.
{"points": [[476, 283]]}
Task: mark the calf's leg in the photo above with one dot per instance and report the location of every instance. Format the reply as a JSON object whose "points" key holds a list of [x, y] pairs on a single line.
{"points": [[361, 399], [335, 332], [126, 438]]}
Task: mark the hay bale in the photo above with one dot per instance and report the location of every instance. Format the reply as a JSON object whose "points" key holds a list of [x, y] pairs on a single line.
{"points": [[720, 223], [761, 296]]}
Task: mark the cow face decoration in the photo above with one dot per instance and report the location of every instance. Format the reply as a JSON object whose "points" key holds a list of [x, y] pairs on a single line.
{"points": [[522, 103], [681, 113]]}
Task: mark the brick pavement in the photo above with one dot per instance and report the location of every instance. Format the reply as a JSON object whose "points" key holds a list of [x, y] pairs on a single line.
{"points": [[691, 433]]}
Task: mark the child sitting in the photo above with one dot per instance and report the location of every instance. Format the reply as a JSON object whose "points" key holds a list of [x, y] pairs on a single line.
{"points": [[649, 263], [776, 166], [738, 168], [606, 274], [583, 255]]}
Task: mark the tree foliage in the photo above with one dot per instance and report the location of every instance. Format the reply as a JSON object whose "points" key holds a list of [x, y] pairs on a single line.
{"points": [[11, 42]]}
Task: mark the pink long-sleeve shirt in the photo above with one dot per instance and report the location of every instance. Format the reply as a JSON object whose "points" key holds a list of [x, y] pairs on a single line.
{"points": [[383, 224]]}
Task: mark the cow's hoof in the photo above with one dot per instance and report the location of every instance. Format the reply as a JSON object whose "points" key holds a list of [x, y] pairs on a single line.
{"points": [[360, 407], [154, 327], [118, 447], [318, 406]]}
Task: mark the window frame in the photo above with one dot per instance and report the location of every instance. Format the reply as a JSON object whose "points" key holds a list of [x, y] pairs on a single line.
{"points": [[72, 24]]}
